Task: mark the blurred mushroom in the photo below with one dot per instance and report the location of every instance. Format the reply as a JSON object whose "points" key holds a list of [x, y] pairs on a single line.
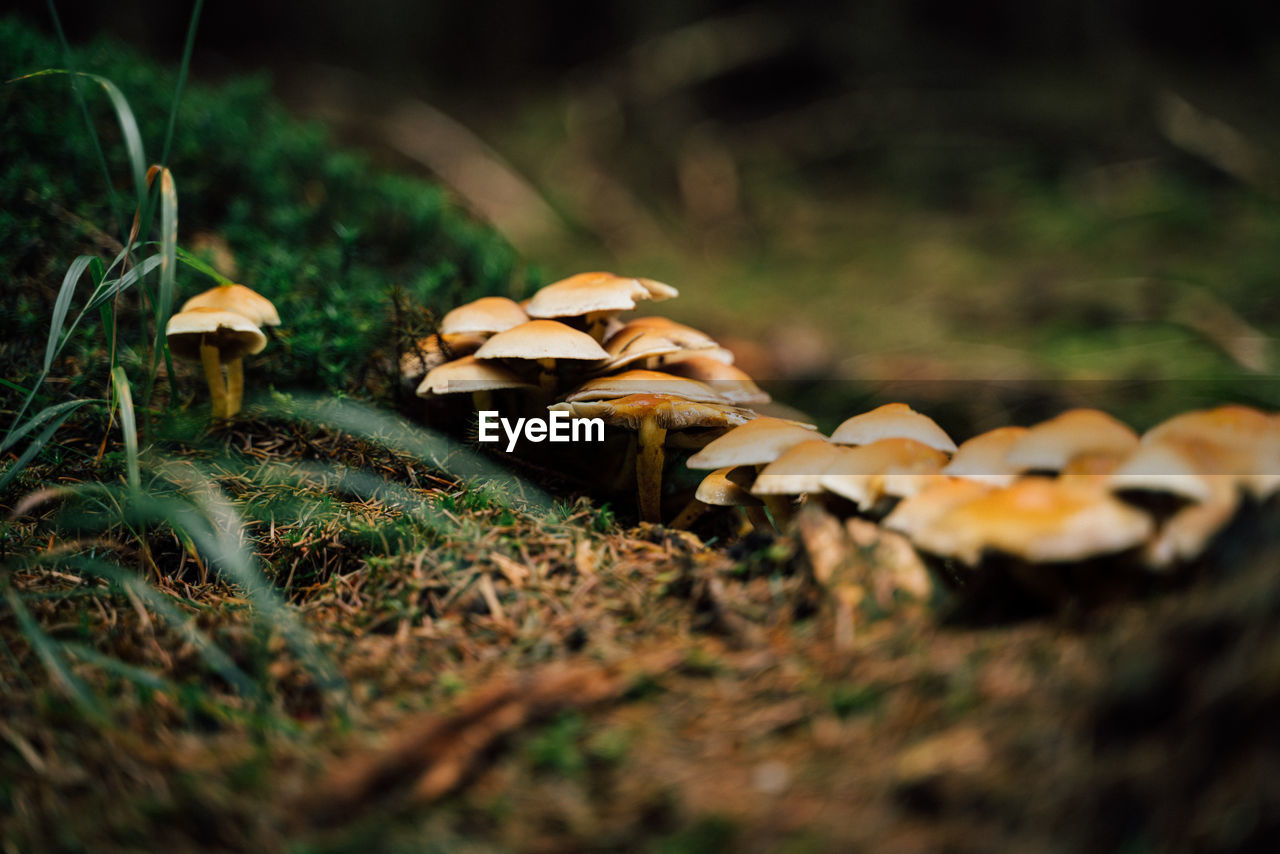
{"points": [[892, 421], [486, 315], [726, 487], [1229, 440], [757, 443], [545, 342], [982, 458], [215, 338], [595, 297], [1051, 445], [651, 416], [893, 468]]}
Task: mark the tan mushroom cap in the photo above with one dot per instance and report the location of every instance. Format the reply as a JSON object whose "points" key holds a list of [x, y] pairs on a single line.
{"points": [[625, 348], [586, 293], [893, 420], [799, 469], [1169, 467], [982, 458], [1038, 520], [918, 512], [1229, 440], [644, 382], [467, 375], [728, 381], [238, 299], [487, 314], [721, 489], [757, 442], [234, 335], [542, 339], [686, 337], [670, 412], [1051, 445], [434, 350], [894, 467]]}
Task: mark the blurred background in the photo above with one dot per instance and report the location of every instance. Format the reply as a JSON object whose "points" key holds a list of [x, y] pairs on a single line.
{"points": [[992, 209]]}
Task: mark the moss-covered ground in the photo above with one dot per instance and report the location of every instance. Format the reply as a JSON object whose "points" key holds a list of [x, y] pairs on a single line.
{"points": [[319, 628]]}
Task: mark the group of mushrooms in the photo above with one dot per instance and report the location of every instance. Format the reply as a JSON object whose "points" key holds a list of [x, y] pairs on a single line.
{"points": [[1068, 490], [1065, 491]]}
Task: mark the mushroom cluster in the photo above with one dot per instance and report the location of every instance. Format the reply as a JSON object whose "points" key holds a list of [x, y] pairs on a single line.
{"points": [[666, 386], [1076, 500], [219, 327]]}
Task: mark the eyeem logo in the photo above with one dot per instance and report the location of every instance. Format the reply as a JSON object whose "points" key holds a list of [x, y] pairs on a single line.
{"points": [[560, 427]]}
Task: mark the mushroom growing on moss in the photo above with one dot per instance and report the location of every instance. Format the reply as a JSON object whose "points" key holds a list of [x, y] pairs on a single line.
{"points": [[486, 315], [239, 299], [216, 338], [545, 342], [595, 297]]}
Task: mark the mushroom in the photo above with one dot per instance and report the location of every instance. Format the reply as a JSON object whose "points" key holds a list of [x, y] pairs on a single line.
{"points": [[469, 374], [756, 443], [724, 487], [596, 297], [1050, 445], [894, 468], [433, 351], [215, 338], [727, 380], [982, 458], [1231, 440], [485, 315], [799, 469], [544, 342], [651, 416], [247, 303], [893, 420], [645, 382]]}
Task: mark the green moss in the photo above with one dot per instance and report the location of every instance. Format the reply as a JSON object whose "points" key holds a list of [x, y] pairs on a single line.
{"points": [[322, 233]]}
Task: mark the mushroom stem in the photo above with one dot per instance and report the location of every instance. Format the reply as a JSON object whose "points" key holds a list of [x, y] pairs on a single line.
{"points": [[547, 376], [213, 376], [235, 386], [690, 514], [649, 461], [596, 323], [759, 519]]}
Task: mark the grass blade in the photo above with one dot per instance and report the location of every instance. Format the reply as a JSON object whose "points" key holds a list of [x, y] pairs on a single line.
{"points": [[182, 78], [137, 675], [112, 287], [128, 425], [34, 448], [51, 657], [63, 304], [199, 265], [12, 437]]}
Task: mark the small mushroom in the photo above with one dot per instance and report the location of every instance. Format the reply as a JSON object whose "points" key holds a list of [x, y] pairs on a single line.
{"points": [[982, 458], [546, 342], [1051, 445], [595, 297], [1231, 440], [433, 351], [892, 421], [887, 468], [247, 303], [215, 338], [799, 469], [730, 382], [470, 375], [757, 443], [726, 487], [651, 416], [486, 315]]}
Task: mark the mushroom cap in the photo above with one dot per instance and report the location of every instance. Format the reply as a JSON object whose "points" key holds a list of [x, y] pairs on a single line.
{"points": [[893, 420], [466, 375], [591, 292], [720, 354], [671, 412], [896, 466], [628, 346], [1167, 467], [982, 458], [644, 382], [487, 314], [1228, 440], [434, 350], [542, 339], [720, 489], [1051, 445], [758, 442], [798, 469], [686, 337], [1038, 520], [918, 512], [238, 299], [728, 381], [234, 335]]}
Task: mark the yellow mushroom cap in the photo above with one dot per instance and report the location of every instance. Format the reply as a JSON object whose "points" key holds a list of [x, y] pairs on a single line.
{"points": [[626, 347], [799, 469], [1051, 445], [895, 466], [893, 420], [585, 293], [487, 314], [239, 299], [435, 350], [720, 489], [982, 458], [918, 512], [234, 335], [644, 382], [542, 339], [1229, 440], [1037, 520], [686, 337], [466, 375], [728, 381], [668, 411], [757, 442]]}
